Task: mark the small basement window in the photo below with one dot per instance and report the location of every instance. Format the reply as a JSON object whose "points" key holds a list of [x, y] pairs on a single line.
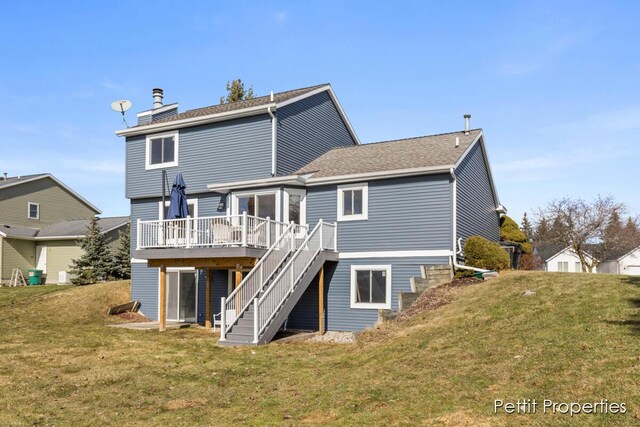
{"points": [[162, 150], [33, 210], [353, 202], [371, 286]]}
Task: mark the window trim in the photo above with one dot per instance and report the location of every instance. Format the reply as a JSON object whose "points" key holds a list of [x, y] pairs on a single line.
{"points": [[365, 202], [235, 206], [193, 202], [353, 286], [303, 204], [37, 205], [149, 138]]}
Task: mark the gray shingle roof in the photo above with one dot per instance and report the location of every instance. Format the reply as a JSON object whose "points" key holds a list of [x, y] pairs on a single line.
{"points": [[239, 105], [67, 228], [17, 231], [78, 227], [15, 179], [419, 152]]}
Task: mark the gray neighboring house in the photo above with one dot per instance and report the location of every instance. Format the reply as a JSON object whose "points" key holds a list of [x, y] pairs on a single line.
{"points": [[41, 221], [368, 216], [625, 262]]}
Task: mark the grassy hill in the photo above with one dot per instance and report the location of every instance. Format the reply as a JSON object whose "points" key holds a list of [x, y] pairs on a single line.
{"points": [[576, 340]]}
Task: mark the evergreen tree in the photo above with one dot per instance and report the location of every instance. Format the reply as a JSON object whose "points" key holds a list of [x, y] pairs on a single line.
{"points": [[542, 231], [122, 256], [236, 92], [526, 227], [96, 263]]}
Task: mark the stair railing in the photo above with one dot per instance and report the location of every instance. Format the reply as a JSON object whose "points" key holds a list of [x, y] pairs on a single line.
{"points": [[242, 296], [266, 307]]}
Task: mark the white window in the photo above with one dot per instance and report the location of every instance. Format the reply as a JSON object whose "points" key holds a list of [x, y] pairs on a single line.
{"points": [[295, 206], [192, 204], [578, 267], [263, 204], [353, 201], [371, 286], [33, 210], [162, 150], [563, 266]]}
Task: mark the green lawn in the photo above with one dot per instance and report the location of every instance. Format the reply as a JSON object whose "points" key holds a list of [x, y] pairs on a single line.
{"points": [[576, 340]]}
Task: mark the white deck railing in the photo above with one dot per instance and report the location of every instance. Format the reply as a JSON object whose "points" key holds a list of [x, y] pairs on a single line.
{"points": [[233, 230], [250, 287], [323, 237]]}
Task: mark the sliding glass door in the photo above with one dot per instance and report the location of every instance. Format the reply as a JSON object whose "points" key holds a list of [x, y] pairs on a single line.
{"points": [[181, 296]]}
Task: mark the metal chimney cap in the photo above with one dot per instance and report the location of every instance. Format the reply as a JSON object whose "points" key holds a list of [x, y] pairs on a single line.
{"points": [[467, 116]]}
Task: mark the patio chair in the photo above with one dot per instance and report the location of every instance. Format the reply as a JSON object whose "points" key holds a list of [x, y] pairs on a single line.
{"points": [[221, 230]]}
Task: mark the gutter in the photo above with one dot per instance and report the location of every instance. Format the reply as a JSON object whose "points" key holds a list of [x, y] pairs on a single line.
{"points": [[274, 148], [454, 240]]}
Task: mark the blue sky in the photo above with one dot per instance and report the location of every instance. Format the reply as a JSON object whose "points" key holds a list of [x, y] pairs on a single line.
{"points": [[554, 85]]}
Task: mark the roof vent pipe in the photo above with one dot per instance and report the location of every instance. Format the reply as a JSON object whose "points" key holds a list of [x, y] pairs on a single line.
{"points": [[158, 94], [467, 117], [6, 176], [271, 96], [457, 141]]}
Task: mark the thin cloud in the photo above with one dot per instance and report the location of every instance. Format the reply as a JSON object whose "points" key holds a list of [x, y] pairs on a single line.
{"points": [[542, 58]]}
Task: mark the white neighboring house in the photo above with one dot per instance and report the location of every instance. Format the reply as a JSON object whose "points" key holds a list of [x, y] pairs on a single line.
{"points": [[562, 259], [628, 263]]}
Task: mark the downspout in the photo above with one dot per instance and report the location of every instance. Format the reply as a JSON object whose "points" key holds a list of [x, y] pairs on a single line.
{"points": [[456, 242], [274, 148]]}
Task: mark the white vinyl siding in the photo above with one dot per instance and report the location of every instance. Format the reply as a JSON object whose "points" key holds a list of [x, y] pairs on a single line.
{"points": [[563, 266]]}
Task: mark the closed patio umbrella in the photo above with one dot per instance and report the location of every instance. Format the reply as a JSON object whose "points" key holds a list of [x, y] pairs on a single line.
{"points": [[178, 207]]}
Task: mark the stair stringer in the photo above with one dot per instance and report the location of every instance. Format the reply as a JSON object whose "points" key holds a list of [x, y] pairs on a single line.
{"points": [[292, 299]]}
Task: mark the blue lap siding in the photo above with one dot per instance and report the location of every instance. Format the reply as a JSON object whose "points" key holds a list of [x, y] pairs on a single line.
{"points": [[234, 150], [476, 207], [306, 130], [404, 214]]}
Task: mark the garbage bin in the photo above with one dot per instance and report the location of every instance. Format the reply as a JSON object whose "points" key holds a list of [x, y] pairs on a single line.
{"points": [[35, 276]]}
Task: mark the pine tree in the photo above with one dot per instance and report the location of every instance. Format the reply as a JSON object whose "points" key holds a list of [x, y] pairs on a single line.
{"points": [[96, 263], [122, 256], [526, 227], [236, 92], [542, 232]]}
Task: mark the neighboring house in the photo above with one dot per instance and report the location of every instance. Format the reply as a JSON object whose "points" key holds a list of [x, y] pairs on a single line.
{"points": [[560, 258], [627, 263], [375, 213], [41, 221]]}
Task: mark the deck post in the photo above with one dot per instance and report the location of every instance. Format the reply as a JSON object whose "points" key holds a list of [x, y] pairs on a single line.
{"points": [[268, 232], [138, 233], [245, 228], [335, 236], [188, 236], [238, 281], [223, 318], [321, 301], [321, 235], [162, 319], [207, 322]]}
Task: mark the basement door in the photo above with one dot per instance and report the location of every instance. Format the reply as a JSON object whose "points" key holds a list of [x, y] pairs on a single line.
{"points": [[181, 296]]}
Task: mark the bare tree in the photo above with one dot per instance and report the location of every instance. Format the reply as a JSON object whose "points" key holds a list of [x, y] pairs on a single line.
{"points": [[582, 225]]}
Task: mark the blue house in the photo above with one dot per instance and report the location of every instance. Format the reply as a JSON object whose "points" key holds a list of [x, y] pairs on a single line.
{"points": [[291, 220]]}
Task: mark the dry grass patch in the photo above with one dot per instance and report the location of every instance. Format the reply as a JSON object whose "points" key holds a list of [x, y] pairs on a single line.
{"points": [[576, 339]]}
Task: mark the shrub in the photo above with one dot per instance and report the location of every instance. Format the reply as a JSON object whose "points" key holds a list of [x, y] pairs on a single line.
{"points": [[482, 253]]}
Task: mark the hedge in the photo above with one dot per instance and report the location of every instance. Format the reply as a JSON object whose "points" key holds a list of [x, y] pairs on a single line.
{"points": [[482, 253]]}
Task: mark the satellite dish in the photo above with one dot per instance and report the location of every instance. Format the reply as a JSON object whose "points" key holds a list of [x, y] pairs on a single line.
{"points": [[121, 105]]}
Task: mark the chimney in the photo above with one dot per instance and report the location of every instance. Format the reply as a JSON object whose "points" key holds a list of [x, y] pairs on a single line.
{"points": [[6, 176], [467, 117], [158, 94]]}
